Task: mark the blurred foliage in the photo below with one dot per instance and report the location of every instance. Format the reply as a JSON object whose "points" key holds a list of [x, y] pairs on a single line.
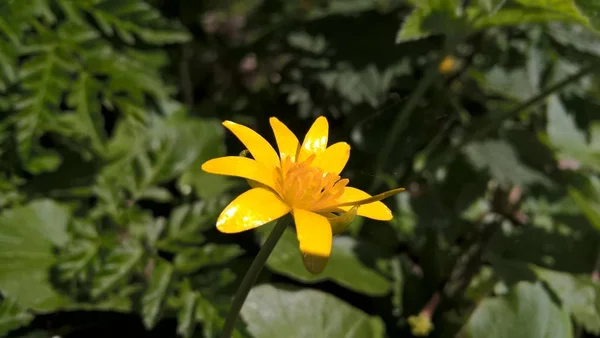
{"points": [[485, 110]]}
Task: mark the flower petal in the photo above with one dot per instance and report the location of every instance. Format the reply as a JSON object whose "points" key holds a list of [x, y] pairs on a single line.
{"points": [[251, 209], [240, 167], [369, 206], [315, 141], [341, 222], [260, 149], [315, 238], [334, 158], [287, 142]]}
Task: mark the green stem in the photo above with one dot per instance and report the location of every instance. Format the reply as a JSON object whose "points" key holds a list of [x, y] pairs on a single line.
{"points": [[252, 274]]}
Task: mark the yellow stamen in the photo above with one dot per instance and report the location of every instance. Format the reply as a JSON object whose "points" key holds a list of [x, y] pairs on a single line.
{"points": [[306, 187]]}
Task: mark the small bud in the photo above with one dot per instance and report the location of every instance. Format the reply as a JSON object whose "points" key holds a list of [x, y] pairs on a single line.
{"points": [[448, 64], [420, 325]]}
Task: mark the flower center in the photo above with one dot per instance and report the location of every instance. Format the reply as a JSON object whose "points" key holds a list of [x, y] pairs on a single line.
{"points": [[309, 188]]}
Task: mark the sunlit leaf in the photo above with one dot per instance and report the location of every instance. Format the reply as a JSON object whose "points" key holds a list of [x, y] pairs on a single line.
{"points": [[270, 310], [527, 311], [345, 266], [578, 295], [28, 237]]}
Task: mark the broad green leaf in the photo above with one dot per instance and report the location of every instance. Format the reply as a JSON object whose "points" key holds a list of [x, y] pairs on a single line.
{"points": [[116, 269], [561, 129], [154, 297], [578, 295], [503, 164], [344, 267], [527, 311], [192, 259], [564, 135], [12, 316], [270, 311], [28, 237]]}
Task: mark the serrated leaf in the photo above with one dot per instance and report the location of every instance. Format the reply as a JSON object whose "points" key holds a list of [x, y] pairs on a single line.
{"points": [[527, 311], [115, 269], [12, 316], [147, 156], [344, 267], [578, 295], [153, 298], [131, 18], [269, 311], [186, 319], [87, 120], [28, 236], [192, 259]]}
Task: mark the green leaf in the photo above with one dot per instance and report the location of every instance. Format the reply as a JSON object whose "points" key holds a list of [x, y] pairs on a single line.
{"points": [[270, 310], [583, 11], [564, 135], [561, 129], [153, 299], [591, 9], [147, 156], [186, 320], [28, 236], [578, 295], [433, 17], [116, 269], [588, 202], [12, 316], [210, 141], [129, 19], [344, 266], [186, 223], [503, 164], [491, 6], [87, 121], [527, 311], [192, 259]]}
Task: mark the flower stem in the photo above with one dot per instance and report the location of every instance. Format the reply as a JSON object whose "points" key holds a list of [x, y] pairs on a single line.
{"points": [[252, 274]]}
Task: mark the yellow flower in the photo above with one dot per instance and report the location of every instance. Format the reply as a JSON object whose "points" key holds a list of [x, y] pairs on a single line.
{"points": [[448, 64], [304, 180], [421, 325]]}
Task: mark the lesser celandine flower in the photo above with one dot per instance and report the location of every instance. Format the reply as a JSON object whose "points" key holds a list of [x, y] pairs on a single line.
{"points": [[304, 179]]}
